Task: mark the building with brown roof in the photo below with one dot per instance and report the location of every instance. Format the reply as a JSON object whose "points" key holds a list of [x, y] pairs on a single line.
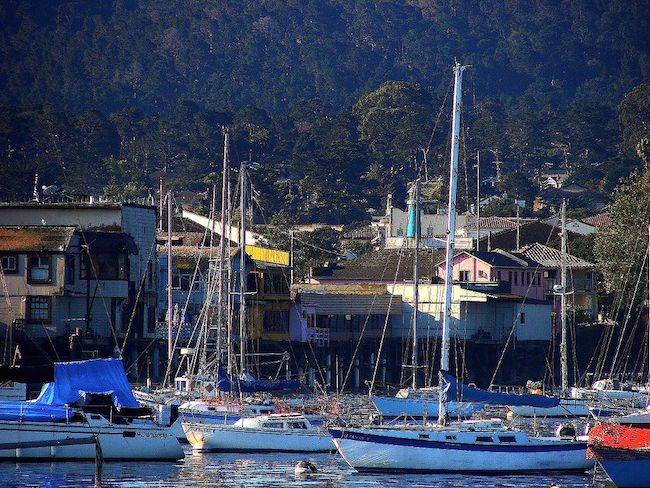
{"points": [[104, 281]]}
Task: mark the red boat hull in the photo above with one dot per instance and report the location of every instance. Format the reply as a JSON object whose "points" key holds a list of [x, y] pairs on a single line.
{"points": [[620, 436], [623, 450]]}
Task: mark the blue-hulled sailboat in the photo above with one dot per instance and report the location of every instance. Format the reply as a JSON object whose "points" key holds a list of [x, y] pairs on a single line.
{"points": [[462, 447]]}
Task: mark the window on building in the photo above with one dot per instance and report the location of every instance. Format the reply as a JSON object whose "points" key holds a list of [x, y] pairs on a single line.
{"points": [[498, 275], [527, 277], [522, 318], [105, 266], [463, 275], [510, 276], [181, 281], [149, 274], [276, 320], [539, 279], [9, 264], [70, 262], [151, 319], [482, 274], [39, 269], [516, 278], [39, 310]]}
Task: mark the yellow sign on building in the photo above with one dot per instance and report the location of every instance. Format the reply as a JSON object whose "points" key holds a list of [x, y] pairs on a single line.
{"points": [[266, 255]]}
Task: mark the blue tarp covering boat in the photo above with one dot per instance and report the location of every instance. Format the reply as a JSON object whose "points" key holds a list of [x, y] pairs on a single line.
{"points": [[33, 412], [252, 385], [456, 391], [72, 381], [96, 376]]}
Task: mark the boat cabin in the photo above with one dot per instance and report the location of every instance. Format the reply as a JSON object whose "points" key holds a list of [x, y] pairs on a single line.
{"points": [[280, 422]]}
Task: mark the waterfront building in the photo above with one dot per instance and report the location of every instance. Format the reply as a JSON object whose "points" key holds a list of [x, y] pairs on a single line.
{"points": [[83, 281]]}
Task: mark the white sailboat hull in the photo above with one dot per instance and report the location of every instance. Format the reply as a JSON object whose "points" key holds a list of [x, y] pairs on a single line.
{"points": [[210, 437], [141, 440], [566, 408], [418, 408], [375, 450]]}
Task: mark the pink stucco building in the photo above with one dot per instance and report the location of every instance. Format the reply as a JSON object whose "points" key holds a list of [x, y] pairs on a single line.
{"points": [[518, 273]]}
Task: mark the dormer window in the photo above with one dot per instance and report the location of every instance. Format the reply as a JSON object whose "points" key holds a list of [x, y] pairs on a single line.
{"points": [[39, 270]]}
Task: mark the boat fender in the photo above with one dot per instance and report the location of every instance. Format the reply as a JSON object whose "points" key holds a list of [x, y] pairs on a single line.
{"points": [[305, 467]]}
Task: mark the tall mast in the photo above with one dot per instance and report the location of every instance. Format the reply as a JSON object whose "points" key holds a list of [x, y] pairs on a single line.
{"points": [[222, 244], [242, 267], [563, 343], [451, 231], [415, 206], [170, 345], [649, 305]]}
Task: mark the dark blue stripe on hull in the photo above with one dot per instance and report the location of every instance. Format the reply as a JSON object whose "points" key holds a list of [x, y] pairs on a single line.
{"points": [[474, 473], [459, 446]]}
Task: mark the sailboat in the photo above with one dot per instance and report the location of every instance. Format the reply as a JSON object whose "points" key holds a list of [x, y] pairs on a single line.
{"points": [[227, 424], [472, 446], [567, 406], [622, 444], [86, 399], [417, 403]]}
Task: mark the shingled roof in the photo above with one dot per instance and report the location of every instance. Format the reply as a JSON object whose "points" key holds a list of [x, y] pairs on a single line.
{"points": [[382, 266], [41, 238], [503, 259], [552, 258], [600, 220]]}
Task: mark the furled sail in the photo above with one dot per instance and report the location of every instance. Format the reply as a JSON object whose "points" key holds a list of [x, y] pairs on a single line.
{"points": [[252, 385], [456, 391]]}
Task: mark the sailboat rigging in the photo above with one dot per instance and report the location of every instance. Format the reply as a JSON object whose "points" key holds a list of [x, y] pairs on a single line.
{"points": [[469, 446]]}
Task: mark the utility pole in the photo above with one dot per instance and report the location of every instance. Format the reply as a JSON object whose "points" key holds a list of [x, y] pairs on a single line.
{"points": [[478, 198], [161, 200], [517, 205]]}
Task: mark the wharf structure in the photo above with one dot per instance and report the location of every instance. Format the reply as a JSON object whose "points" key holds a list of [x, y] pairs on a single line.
{"points": [[80, 281]]}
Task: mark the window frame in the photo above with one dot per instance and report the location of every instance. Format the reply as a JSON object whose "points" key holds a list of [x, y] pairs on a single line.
{"points": [[70, 272], [28, 309], [30, 267], [13, 270]]}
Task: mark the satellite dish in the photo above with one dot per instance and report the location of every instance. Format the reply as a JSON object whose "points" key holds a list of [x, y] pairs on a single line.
{"points": [[49, 190]]}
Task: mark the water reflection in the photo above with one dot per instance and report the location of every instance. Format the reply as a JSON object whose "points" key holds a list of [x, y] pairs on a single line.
{"points": [[254, 470]]}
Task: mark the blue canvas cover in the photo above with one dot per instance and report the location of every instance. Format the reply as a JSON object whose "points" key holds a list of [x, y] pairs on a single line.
{"points": [[33, 412], [101, 376], [251, 385], [456, 391]]}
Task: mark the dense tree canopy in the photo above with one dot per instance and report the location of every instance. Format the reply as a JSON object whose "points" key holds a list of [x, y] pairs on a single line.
{"points": [[339, 101]]}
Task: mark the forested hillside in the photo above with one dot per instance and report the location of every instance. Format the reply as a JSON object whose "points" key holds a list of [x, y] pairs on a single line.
{"points": [[336, 99]]}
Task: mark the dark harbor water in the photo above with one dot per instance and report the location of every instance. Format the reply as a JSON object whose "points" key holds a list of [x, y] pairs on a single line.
{"points": [[255, 470]]}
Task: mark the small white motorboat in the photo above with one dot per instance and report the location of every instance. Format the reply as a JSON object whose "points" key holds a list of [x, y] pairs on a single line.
{"points": [[276, 432]]}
